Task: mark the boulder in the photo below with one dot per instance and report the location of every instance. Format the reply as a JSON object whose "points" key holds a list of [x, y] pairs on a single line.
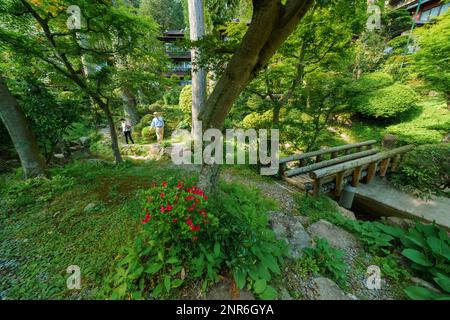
{"points": [[291, 230], [446, 139], [336, 237], [326, 289], [389, 141]]}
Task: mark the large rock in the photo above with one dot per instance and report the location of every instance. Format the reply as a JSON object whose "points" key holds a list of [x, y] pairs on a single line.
{"points": [[326, 289], [84, 141], [291, 230], [344, 212], [336, 237]]}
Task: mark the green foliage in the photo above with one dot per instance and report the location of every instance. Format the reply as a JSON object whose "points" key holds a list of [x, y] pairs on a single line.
{"points": [[391, 268], [431, 61], [372, 81], [173, 249], [185, 100], [425, 171], [330, 261], [427, 247], [258, 120], [387, 102], [148, 133]]}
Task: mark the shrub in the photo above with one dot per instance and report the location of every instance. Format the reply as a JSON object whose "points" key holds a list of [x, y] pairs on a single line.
{"points": [[183, 240], [425, 170], [257, 120], [330, 261], [185, 101], [388, 102], [372, 81], [148, 133], [427, 247]]}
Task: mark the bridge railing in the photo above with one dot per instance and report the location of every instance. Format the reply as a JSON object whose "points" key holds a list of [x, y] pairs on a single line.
{"points": [[326, 157], [367, 166]]}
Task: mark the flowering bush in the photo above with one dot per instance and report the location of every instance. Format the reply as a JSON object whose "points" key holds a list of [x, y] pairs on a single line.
{"points": [[176, 211]]}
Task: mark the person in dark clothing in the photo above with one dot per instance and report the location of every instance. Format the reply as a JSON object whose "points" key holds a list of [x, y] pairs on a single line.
{"points": [[126, 129]]}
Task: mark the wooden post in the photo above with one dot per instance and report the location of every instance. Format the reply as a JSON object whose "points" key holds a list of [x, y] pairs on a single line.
{"points": [[302, 162], [371, 171], [356, 176], [317, 186], [395, 161], [339, 181], [384, 166], [282, 169], [334, 155]]}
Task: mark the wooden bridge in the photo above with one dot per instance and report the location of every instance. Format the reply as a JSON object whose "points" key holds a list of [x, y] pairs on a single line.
{"points": [[330, 169]]}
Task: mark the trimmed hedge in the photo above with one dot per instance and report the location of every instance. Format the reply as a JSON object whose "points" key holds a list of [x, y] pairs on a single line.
{"points": [[386, 103]]}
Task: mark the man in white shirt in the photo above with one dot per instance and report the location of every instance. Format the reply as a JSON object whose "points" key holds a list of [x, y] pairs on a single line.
{"points": [[158, 124], [126, 129]]}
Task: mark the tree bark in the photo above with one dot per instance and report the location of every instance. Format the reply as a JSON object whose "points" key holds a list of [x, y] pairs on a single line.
{"points": [[129, 106], [271, 24], [197, 31], [112, 131], [24, 140]]}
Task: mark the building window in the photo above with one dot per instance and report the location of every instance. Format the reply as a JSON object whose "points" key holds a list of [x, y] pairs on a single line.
{"points": [[432, 13]]}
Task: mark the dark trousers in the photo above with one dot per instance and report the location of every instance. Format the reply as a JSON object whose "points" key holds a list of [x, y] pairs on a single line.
{"points": [[128, 135]]}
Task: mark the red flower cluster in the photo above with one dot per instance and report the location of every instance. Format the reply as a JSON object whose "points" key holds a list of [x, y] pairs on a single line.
{"points": [[175, 208]]}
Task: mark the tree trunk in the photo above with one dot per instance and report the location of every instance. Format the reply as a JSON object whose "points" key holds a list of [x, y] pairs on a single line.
{"points": [[276, 116], [197, 31], [112, 130], [271, 24], [129, 106], [209, 178], [13, 117]]}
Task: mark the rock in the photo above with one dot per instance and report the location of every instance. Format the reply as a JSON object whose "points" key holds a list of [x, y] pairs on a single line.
{"points": [[84, 141], [90, 207], [446, 139], [305, 221], [389, 141], [400, 222], [422, 283], [344, 212], [326, 289], [290, 229], [284, 294], [336, 237], [222, 291]]}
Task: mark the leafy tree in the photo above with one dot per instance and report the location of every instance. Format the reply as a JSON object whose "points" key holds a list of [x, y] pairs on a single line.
{"points": [[167, 13], [83, 58]]}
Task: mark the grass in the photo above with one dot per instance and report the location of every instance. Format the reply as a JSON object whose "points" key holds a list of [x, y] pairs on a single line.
{"points": [[44, 227]]}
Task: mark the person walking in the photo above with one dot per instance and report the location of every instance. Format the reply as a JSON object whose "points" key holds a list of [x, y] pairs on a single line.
{"points": [[158, 124], [126, 129]]}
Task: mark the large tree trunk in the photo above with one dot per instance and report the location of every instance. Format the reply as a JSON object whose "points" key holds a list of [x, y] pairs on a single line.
{"points": [[13, 117], [197, 31], [271, 24], [129, 106]]}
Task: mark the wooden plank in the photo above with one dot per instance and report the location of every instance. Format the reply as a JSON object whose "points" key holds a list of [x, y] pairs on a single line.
{"points": [[328, 171], [384, 165], [356, 176], [338, 184], [323, 164], [326, 150]]}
